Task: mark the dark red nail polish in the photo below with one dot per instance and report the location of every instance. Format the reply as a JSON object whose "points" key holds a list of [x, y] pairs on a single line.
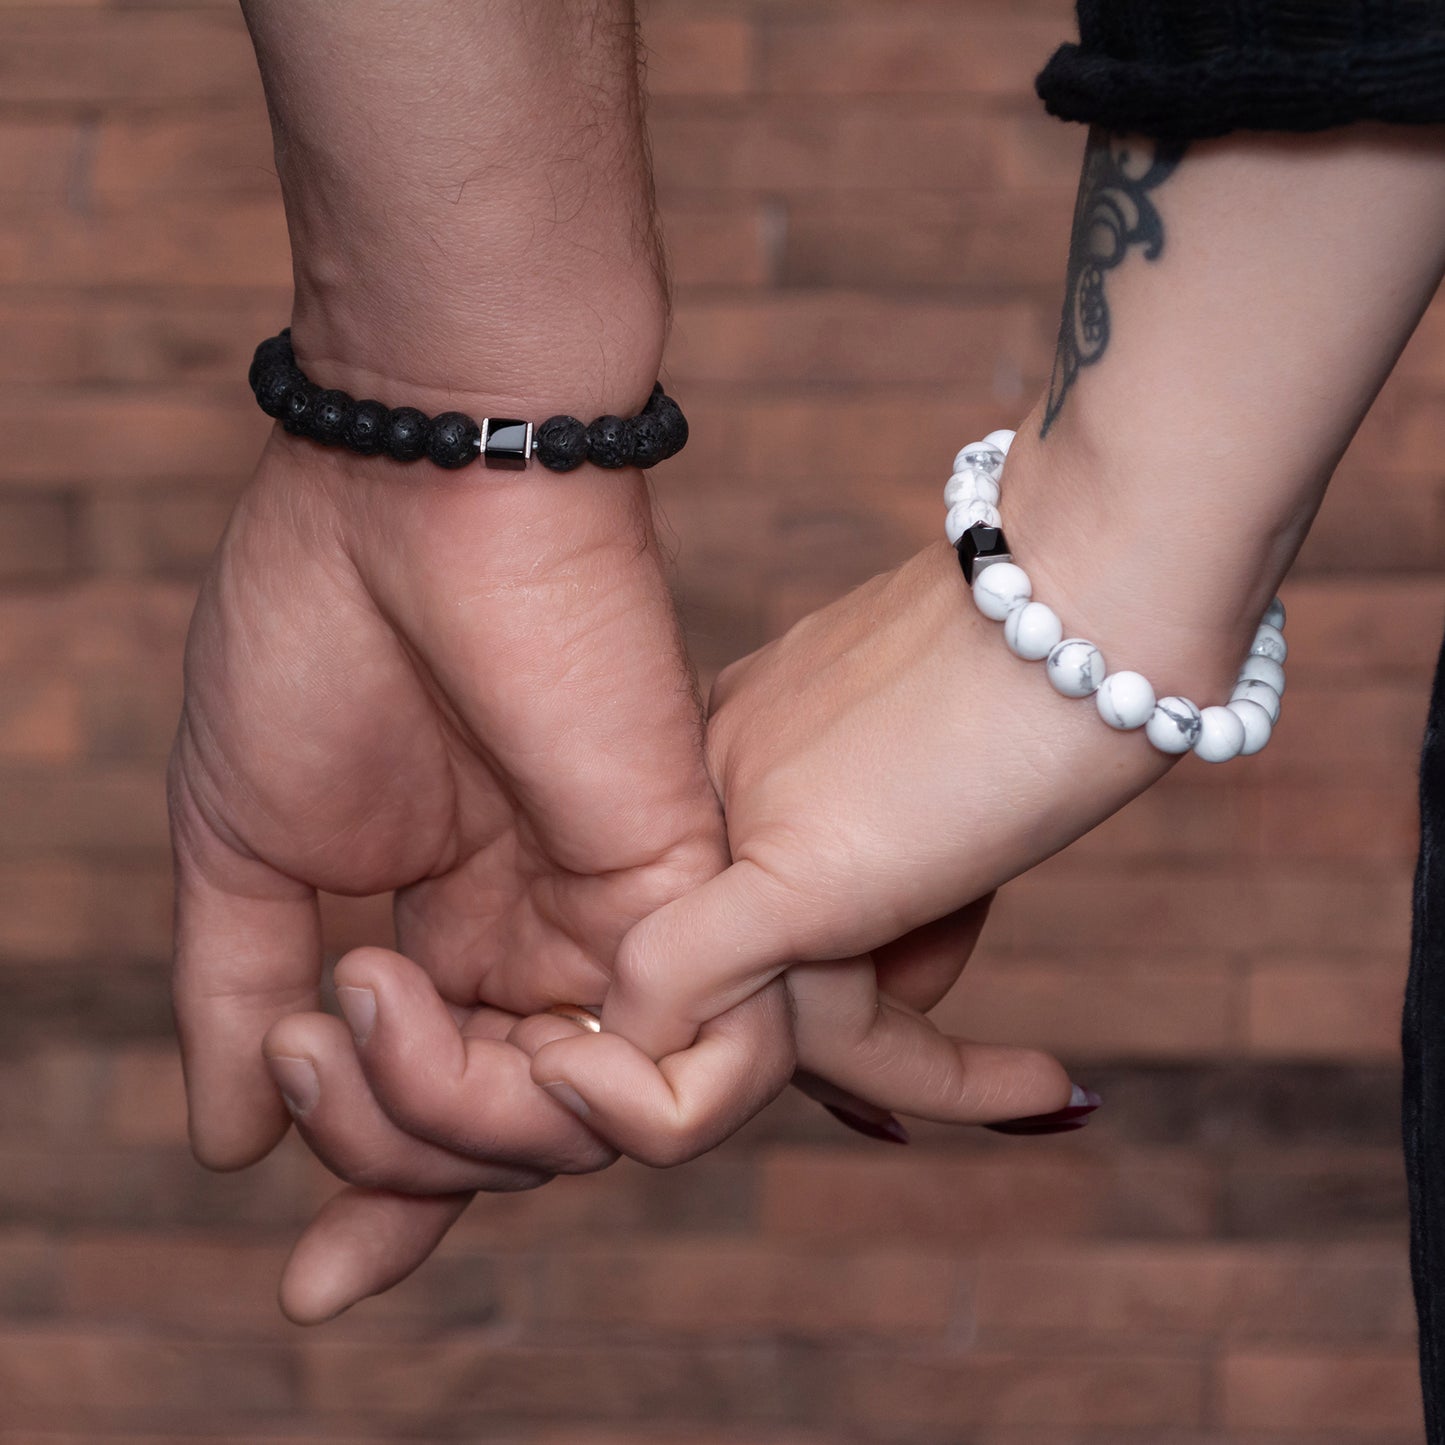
{"points": [[1062, 1121], [887, 1128]]}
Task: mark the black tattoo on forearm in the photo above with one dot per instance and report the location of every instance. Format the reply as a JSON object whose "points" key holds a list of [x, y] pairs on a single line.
{"points": [[1112, 214]]}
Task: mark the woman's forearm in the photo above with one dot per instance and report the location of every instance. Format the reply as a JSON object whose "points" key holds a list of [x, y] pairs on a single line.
{"points": [[468, 195], [1232, 311]]}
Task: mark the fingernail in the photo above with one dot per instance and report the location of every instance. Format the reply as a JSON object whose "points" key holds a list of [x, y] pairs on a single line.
{"points": [[887, 1128], [1074, 1115], [569, 1098], [359, 1006], [297, 1080]]}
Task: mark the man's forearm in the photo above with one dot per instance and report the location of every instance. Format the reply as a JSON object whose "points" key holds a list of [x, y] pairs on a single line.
{"points": [[469, 197], [1232, 312]]}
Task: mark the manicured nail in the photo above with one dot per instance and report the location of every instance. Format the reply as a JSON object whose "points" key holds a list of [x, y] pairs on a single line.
{"points": [[359, 1006], [1074, 1115], [296, 1078], [569, 1098], [887, 1128]]}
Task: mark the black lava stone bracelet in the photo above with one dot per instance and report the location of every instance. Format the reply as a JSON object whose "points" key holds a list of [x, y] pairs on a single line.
{"points": [[452, 439]]}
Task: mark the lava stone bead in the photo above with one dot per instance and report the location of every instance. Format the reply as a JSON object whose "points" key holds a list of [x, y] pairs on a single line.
{"points": [[330, 413], [561, 443], [674, 424], [365, 428], [452, 439], [300, 403], [275, 385], [609, 442], [275, 349], [649, 439], [404, 434]]}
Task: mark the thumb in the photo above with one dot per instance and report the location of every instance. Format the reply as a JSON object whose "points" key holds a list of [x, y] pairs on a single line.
{"points": [[699, 956]]}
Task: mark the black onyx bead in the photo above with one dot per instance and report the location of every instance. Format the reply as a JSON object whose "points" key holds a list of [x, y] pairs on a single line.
{"points": [[403, 434], [979, 546], [330, 413], [609, 442], [561, 443], [452, 438], [275, 385], [300, 402], [507, 444], [649, 439], [365, 427]]}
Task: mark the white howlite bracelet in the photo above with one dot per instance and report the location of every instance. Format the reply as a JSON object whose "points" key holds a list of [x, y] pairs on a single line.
{"points": [[1033, 631]]}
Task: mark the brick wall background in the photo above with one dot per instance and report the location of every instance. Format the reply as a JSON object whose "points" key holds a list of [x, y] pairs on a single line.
{"points": [[867, 210]]}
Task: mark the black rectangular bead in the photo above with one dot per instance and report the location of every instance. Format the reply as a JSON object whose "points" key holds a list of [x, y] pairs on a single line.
{"points": [[978, 547], [506, 443]]}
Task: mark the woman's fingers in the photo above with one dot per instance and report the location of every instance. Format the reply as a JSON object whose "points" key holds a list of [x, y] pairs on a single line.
{"points": [[668, 1112], [919, 968], [316, 1070], [464, 1088], [362, 1242], [893, 1057]]}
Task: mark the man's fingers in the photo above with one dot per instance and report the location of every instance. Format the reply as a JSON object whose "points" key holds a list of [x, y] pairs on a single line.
{"points": [[896, 1059], [361, 1243], [665, 1113], [247, 952], [465, 1088], [315, 1067], [919, 968], [697, 957]]}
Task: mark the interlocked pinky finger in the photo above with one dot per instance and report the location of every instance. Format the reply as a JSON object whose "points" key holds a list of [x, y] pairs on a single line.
{"points": [[861, 1041], [313, 1060]]}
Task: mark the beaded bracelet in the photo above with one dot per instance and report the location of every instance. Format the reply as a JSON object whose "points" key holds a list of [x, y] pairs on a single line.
{"points": [[1032, 630], [452, 439]]}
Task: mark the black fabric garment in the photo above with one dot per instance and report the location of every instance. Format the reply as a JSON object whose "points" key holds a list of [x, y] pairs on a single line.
{"points": [[1197, 68], [1191, 69]]}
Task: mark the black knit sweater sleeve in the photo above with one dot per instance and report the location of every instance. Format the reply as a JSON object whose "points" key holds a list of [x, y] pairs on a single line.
{"points": [[1196, 68]]}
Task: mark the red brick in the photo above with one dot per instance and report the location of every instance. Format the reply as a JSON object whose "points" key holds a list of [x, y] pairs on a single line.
{"points": [[27, 1274], [89, 441], [1051, 1191], [817, 338], [1055, 1389], [1347, 628], [1325, 1009], [39, 718], [1278, 1391], [986, 240], [921, 53], [38, 157], [171, 533], [715, 243], [717, 1287], [35, 538], [87, 57], [1097, 1006], [146, 1101], [220, 153], [54, 910], [168, 243], [689, 54], [97, 810]]}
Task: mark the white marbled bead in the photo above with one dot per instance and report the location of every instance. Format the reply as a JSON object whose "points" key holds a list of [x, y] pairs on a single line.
{"points": [[1260, 692], [1032, 631], [1269, 642], [1274, 614], [967, 485], [998, 589], [1257, 726], [1173, 726], [1076, 666], [1221, 735], [1125, 700], [969, 514], [1002, 439], [981, 457], [1263, 669]]}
